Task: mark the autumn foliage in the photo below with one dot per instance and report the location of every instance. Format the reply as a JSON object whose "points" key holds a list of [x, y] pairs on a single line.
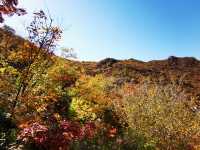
{"points": [[9, 7], [55, 138], [48, 102]]}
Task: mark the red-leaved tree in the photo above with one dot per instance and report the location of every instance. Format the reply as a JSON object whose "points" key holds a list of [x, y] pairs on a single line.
{"points": [[9, 7]]}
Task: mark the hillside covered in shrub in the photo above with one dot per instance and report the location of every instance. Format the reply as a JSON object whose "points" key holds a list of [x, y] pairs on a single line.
{"points": [[49, 102]]}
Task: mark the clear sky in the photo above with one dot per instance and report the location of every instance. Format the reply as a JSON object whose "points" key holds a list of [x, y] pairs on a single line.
{"points": [[122, 29]]}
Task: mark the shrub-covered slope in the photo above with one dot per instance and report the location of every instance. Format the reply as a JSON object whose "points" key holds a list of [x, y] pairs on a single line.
{"points": [[174, 69], [52, 103]]}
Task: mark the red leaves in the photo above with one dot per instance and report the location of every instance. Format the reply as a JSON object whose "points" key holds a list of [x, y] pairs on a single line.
{"points": [[71, 130], [74, 131], [35, 131], [56, 136], [88, 130], [9, 7], [112, 132]]}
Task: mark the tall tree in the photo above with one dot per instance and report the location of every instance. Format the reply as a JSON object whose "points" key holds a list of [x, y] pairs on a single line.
{"points": [[27, 61], [43, 36]]}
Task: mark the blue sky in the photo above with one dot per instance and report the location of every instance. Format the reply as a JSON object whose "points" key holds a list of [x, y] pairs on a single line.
{"points": [[122, 29]]}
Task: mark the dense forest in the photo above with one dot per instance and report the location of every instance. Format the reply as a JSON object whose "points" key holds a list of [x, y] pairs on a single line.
{"points": [[50, 102]]}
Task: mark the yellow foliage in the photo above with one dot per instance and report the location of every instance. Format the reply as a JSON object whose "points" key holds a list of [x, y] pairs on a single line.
{"points": [[160, 113], [95, 88]]}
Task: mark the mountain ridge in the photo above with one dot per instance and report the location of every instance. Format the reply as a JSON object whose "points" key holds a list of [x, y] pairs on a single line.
{"points": [[172, 69]]}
